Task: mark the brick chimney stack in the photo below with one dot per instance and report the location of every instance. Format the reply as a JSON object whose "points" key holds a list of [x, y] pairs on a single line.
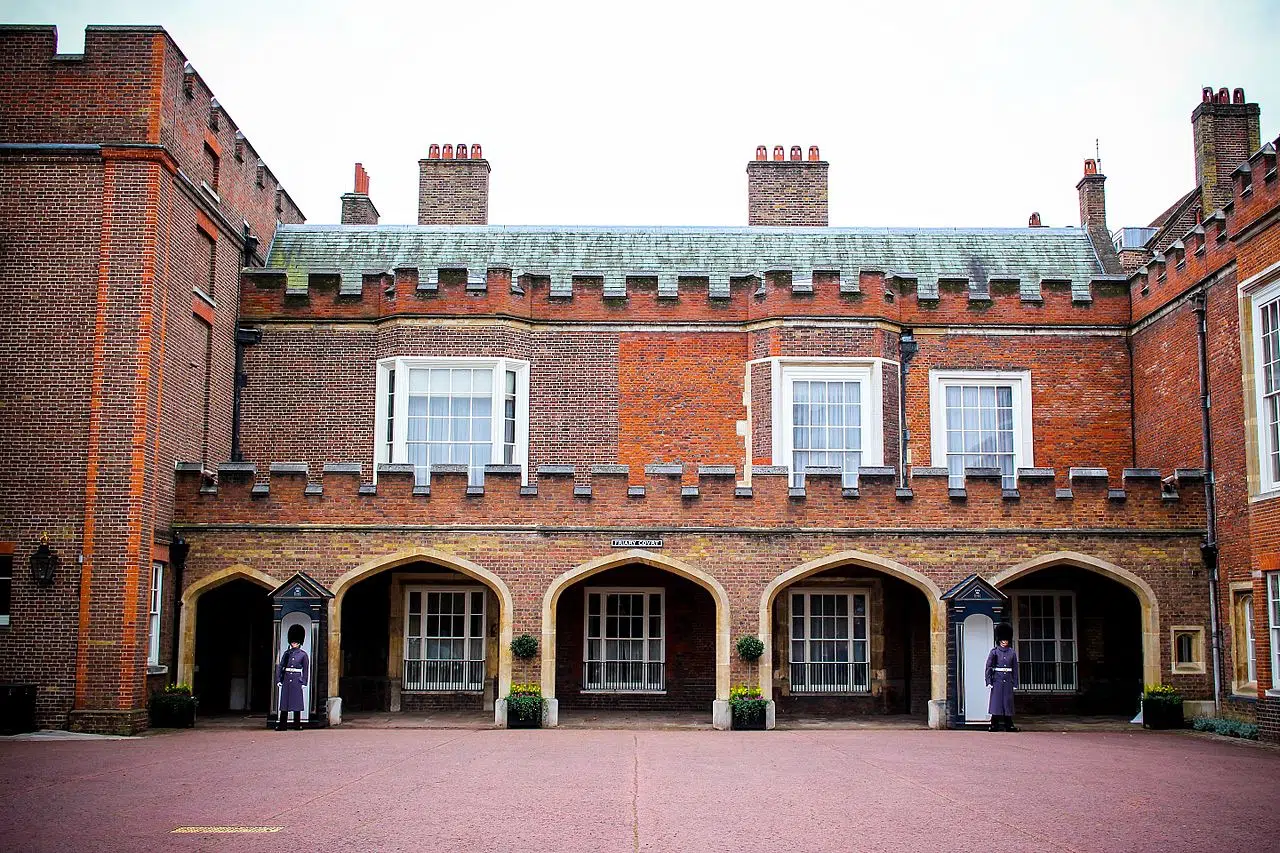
{"points": [[453, 187], [357, 207], [1225, 129], [787, 192], [1093, 198]]}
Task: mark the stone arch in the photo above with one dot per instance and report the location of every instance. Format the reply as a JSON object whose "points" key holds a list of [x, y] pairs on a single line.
{"points": [[647, 558], [937, 613], [187, 617], [1147, 600], [506, 615]]}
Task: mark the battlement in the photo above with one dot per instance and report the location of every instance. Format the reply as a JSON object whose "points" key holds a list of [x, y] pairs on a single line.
{"points": [[240, 494], [1211, 244], [744, 290]]}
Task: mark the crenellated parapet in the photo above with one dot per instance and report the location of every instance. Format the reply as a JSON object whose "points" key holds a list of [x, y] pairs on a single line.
{"points": [[1211, 245], [993, 276], [719, 497]]}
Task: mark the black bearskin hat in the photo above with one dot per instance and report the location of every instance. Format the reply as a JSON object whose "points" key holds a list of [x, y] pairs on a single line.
{"points": [[1004, 631], [297, 634]]}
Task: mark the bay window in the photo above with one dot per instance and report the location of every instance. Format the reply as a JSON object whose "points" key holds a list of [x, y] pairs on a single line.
{"points": [[447, 411]]}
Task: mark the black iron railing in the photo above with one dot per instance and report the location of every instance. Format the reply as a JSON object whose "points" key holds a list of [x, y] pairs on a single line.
{"points": [[443, 675], [1047, 677], [624, 675], [830, 678]]}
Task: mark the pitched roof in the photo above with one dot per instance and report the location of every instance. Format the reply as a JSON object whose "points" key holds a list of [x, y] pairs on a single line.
{"points": [[979, 254]]}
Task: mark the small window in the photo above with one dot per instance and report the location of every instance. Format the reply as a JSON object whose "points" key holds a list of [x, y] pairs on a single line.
{"points": [[1045, 633], [1245, 645], [205, 272], [157, 604], [212, 167], [444, 639], [625, 648], [981, 419], [830, 648], [1188, 649], [1273, 609], [6, 586]]}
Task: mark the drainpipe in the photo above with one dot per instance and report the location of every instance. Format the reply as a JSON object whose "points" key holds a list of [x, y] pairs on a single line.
{"points": [[244, 338], [908, 346], [1209, 548]]}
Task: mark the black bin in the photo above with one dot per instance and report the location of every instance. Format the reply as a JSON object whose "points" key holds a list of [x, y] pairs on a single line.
{"points": [[17, 708]]}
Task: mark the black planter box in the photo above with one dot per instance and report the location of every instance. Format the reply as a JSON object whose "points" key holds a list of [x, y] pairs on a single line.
{"points": [[1157, 714], [17, 708], [173, 712], [741, 722], [520, 719]]}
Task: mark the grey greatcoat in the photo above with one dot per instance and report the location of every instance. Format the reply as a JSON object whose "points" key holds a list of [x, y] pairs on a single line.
{"points": [[292, 675], [1002, 677]]}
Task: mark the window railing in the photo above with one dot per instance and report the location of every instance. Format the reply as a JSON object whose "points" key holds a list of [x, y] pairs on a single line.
{"points": [[623, 676], [1047, 677], [830, 678], [462, 675]]}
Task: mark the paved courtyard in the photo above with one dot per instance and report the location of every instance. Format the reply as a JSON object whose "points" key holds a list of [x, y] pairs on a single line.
{"points": [[616, 790]]}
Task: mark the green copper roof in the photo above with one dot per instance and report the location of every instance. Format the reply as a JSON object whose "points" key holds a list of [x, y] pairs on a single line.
{"points": [[927, 254]]}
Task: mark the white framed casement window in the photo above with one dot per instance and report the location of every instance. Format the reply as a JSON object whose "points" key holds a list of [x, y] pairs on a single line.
{"points": [[1045, 632], [625, 640], [830, 648], [452, 411], [1273, 610], [153, 622], [1266, 383], [827, 414], [444, 638], [6, 586], [981, 419]]}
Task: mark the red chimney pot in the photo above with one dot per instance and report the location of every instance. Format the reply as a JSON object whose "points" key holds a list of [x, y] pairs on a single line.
{"points": [[795, 153], [1091, 166], [475, 151], [1237, 97], [762, 153], [1224, 97], [1034, 221], [813, 153], [362, 180], [433, 153], [1206, 95], [778, 153], [462, 150], [448, 152]]}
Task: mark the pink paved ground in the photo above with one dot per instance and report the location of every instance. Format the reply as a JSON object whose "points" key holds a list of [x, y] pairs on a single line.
{"points": [[496, 790]]}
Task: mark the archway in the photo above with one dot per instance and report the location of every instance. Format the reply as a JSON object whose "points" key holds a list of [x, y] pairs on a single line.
{"points": [[420, 630], [188, 618], [635, 577], [1087, 633], [884, 617]]}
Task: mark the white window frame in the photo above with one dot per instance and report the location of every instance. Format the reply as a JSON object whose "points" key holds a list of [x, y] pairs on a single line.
{"points": [[1018, 639], [1020, 383], [424, 685], [1273, 615], [499, 367], [849, 593], [4, 617], [155, 609], [869, 373], [1259, 299], [646, 685]]}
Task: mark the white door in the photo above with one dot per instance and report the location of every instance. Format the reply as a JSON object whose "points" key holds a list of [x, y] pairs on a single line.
{"points": [[287, 622], [979, 639]]}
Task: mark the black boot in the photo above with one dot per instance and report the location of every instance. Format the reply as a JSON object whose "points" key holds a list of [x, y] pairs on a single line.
{"points": [[1009, 726], [995, 723]]}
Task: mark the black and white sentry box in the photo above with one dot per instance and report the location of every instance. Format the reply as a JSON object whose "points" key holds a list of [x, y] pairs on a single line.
{"points": [[302, 600], [973, 609]]}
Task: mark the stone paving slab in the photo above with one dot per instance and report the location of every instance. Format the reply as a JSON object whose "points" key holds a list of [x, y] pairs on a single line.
{"points": [[617, 790]]}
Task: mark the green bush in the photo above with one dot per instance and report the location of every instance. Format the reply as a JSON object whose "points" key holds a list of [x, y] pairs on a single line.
{"points": [[750, 647], [525, 646], [524, 705], [1227, 728], [1162, 693], [173, 707]]}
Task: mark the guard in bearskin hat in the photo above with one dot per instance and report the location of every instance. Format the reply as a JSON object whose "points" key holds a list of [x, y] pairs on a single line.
{"points": [[291, 677], [1002, 678]]}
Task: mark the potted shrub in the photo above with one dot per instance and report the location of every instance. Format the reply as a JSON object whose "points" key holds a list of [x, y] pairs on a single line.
{"points": [[747, 707], [1161, 707], [173, 707], [750, 647], [524, 706]]}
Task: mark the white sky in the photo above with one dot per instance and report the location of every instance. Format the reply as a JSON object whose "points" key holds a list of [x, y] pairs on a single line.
{"points": [[605, 113]]}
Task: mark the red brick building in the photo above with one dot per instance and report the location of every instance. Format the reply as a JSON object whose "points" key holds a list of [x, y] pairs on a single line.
{"points": [[634, 444]]}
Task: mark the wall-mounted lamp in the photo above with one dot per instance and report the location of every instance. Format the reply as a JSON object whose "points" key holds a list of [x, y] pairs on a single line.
{"points": [[44, 563]]}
